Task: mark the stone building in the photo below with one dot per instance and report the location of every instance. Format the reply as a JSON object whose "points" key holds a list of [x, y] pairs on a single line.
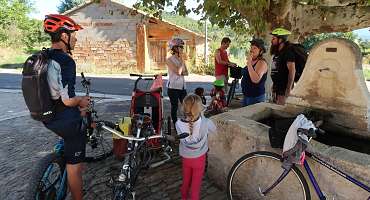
{"points": [[118, 37]]}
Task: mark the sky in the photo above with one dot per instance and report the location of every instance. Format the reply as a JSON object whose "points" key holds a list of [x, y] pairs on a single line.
{"points": [[43, 7]]}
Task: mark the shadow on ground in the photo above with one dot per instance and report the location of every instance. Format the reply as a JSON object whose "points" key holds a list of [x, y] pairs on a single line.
{"points": [[11, 66]]}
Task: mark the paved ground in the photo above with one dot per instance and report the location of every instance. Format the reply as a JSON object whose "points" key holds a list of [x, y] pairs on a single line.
{"points": [[24, 141], [116, 84]]}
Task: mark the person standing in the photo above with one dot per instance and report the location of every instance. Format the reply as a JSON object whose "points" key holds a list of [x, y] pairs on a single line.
{"points": [[222, 62], [254, 74], [283, 65], [193, 149], [176, 71], [61, 77]]}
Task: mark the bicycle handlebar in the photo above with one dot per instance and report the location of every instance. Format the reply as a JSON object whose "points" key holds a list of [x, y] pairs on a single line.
{"points": [[311, 132], [167, 137], [148, 75], [85, 83]]}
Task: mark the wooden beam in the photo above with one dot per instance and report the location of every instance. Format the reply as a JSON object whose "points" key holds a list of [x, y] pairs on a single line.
{"points": [[140, 47]]}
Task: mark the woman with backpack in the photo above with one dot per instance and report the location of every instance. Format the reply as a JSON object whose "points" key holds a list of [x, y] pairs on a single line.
{"points": [[254, 74]]}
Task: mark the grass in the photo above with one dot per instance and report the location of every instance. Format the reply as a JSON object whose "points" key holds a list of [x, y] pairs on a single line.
{"points": [[366, 74], [12, 58]]}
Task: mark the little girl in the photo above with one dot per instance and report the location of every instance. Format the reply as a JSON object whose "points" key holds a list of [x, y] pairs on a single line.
{"points": [[193, 148]]}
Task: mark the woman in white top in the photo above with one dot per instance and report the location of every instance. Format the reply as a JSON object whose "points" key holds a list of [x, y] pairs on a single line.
{"points": [[176, 72]]}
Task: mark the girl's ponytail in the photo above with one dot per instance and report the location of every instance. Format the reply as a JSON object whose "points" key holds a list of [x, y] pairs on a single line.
{"points": [[192, 107]]}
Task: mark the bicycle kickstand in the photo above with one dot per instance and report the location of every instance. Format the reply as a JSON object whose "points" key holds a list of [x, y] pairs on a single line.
{"points": [[156, 164]]}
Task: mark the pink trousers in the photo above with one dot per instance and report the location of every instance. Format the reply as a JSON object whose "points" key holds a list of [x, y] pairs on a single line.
{"points": [[192, 174]]}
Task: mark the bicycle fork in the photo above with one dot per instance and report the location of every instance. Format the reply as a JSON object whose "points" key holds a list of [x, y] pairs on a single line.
{"points": [[263, 192]]}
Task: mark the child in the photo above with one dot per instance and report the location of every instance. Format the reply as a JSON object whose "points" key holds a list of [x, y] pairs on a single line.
{"points": [[218, 102], [193, 148], [200, 92]]}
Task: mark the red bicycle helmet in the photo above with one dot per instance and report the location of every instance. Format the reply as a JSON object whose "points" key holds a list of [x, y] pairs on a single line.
{"points": [[55, 22]]}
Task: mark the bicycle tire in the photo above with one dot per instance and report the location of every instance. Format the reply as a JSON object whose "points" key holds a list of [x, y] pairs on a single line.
{"points": [[104, 144], [252, 169], [36, 185], [231, 93]]}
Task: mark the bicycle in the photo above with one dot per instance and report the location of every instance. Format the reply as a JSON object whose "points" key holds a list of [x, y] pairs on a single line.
{"points": [[236, 73], [138, 156], [281, 184], [49, 179]]}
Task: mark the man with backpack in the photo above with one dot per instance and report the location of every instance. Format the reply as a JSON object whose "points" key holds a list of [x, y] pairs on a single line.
{"points": [[52, 99], [287, 64]]}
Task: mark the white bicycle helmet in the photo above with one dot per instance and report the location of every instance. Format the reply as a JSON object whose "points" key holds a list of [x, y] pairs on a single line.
{"points": [[176, 42]]}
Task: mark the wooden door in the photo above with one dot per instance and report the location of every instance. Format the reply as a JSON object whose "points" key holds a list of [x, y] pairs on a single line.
{"points": [[158, 54]]}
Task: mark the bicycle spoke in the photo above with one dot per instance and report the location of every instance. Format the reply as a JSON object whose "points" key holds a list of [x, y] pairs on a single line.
{"points": [[99, 146], [252, 177]]}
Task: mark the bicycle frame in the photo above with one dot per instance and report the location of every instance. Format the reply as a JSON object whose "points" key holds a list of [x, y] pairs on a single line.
{"points": [[231, 92], [332, 168]]}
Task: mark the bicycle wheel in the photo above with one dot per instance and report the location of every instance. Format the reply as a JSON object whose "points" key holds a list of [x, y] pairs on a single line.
{"points": [[122, 190], [100, 144], [258, 170], [168, 125], [231, 93], [48, 180]]}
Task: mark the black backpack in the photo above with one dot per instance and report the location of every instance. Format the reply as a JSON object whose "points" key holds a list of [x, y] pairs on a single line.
{"points": [[300, 55], [35, 87]]}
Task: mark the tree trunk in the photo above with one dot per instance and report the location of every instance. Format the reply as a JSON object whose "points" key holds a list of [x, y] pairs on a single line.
{"points": [[305, 20]]}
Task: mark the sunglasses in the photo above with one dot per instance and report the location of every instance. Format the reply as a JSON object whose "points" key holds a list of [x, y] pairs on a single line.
{"points": [[181, 47]]}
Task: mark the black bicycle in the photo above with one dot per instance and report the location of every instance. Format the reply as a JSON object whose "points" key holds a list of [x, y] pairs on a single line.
{"points": [[49, 177], [236, 74], [139, 155]]}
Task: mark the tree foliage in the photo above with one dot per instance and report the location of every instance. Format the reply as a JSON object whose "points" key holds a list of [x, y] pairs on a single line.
{"points": [[302, 17], [16, 28], [311, 41], [239, 44], [69, 4]]}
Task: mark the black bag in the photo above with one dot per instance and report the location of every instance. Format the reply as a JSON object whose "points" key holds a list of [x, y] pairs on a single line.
{"points": [[35, 87], [300, 55], [236, 72]]}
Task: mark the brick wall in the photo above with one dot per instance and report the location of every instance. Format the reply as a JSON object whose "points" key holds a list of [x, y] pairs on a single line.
{"points": [[114, 54]]}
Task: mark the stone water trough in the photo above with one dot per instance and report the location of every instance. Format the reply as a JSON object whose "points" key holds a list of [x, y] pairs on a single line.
{"points": [[332, 84]]}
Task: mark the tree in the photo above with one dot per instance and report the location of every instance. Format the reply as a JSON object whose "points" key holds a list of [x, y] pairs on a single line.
{"points": [[240, 42], [309, 42], [69, 4], [302, 17], [16, 28]]}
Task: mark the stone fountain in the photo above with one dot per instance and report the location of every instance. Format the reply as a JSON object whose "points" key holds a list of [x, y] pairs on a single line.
{"points": [[333, 84]]}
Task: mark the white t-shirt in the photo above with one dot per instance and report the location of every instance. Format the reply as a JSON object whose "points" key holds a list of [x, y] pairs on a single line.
{"points": [[196, 144], [176, 81]]}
